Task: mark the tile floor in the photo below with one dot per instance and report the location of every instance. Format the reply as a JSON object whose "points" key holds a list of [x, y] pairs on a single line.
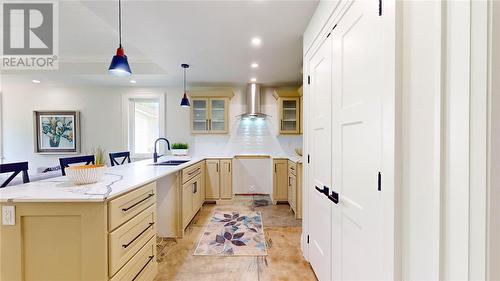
{"points": [[284, 260]]}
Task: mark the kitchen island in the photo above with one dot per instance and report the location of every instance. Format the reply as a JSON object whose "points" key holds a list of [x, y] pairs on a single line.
{"points": [[55, 230]]}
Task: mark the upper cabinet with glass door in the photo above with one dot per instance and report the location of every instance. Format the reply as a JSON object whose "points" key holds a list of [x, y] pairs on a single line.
{"points": [[209, 115], [289, 115], [289, 110], [218, 115], [199, 115]]}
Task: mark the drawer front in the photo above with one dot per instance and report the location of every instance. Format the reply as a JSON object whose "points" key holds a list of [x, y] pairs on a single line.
{"points": [[129, 238], [129, 205], [142, 267], [292, 167], [190, 172]]}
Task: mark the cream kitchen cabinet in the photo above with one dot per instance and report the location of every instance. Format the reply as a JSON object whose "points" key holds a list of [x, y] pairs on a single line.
{"points": [[109, 240], [209, 115], [280, 180], [289, 112], [295, 188], [193, 192], [219, 179]]}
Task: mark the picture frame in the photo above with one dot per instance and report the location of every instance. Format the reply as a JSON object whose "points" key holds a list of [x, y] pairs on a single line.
{"points": [[57, 132]]}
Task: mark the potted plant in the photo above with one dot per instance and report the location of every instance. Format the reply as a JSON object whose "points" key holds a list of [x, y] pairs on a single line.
{"points": [[87, 174], [179, 149]]}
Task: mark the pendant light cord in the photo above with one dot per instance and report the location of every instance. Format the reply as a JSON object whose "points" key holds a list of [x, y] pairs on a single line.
{"points": [[120, 21], [184, 80]]}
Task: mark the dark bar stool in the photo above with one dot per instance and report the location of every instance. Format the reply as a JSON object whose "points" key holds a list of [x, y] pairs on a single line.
{"points": [[15, 169], [65, 162], [113, 157]]}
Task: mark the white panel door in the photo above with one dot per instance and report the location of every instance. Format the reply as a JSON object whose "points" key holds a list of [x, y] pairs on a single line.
{"points": [[358, 87], [320, 148]]}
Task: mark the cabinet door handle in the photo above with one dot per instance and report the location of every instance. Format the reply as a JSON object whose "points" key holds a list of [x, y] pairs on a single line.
{"points": [[229, 167], [325, 191], [282, 124], [275, 168], [195, 187], [210, 124], [138, 202], [125, 246], [289, 181], [142, 269], [206, 125], [334, 197], [217, 167]]}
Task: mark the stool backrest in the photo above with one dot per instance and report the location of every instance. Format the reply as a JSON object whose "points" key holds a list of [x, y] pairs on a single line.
{"points": [[15, 169], [65, 162], [114, 158]]}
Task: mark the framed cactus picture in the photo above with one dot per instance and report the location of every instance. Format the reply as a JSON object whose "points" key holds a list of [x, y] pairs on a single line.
{"points": [[57, 131]]}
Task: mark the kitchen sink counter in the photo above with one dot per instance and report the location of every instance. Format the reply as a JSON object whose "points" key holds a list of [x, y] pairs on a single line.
{"points": [[117, 180]]}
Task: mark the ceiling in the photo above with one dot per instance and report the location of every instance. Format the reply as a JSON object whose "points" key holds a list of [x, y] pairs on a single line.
{"points": [[212, 36]]}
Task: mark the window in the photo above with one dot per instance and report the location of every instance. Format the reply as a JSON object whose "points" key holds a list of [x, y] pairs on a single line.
{"points": [[144, 123]]}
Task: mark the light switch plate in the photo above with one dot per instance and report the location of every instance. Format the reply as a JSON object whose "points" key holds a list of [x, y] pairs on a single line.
{"points": [[8, 215]]}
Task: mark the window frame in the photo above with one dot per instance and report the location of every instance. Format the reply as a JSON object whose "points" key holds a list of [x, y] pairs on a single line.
{"points": [[128, 121]]}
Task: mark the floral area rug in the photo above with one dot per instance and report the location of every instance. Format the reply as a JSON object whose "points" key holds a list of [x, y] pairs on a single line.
{"points": [[233, 234]]}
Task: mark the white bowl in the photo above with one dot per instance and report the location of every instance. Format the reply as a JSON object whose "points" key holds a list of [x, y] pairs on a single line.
{"points": [[85, 174]]}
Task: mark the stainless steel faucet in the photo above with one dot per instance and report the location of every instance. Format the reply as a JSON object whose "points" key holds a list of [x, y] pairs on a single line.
{"points": [[155, 154]]}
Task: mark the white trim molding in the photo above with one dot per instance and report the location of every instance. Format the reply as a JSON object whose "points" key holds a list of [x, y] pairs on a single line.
{"points": [[126, 119]]}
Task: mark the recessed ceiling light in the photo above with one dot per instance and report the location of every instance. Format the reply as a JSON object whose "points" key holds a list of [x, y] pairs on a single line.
{"points": [[253, 80], [254, 65], [133, 81], [35, 81], [256, 41]]}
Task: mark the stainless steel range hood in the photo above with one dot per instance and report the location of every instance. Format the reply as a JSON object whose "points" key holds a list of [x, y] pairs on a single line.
{"points": [[253, 109]]}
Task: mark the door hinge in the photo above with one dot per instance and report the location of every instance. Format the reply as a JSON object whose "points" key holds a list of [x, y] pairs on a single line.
{"points": [[380, 8], [308, 158], [307, 238], [379, 181], [308, 80]]}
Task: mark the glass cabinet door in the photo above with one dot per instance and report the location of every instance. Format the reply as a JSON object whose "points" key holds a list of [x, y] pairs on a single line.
{"points": [[199, 115], [289, 116], [218, 116]]}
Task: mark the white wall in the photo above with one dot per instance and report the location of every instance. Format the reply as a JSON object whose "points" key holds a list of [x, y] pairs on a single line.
{"points": [[420, 139], [494, 150], [101, 119]]}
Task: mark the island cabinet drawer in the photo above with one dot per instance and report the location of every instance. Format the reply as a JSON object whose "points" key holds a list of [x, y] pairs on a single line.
{"points": [[190, 172], [142, 267], [129, 205], [129, 238], [292, 167]]}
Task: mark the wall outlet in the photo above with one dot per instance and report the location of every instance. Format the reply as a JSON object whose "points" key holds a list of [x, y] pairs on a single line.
{"points": [[252, 188], [8, 215]]}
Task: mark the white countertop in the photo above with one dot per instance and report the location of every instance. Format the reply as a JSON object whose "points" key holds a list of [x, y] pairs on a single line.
{"points": [[117, 180]]}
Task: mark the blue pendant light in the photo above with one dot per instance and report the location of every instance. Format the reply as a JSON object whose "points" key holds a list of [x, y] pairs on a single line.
{"points": [[119, 64], [185, 100]]}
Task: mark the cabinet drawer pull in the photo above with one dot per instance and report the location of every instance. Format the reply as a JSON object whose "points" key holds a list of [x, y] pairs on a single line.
{"points": [[193, 172], [142, 269], [125, 246], [139, 202]]}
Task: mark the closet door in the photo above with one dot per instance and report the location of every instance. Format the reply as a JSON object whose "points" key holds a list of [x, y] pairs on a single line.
{"points": [[320, 148], [359, 82]]}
